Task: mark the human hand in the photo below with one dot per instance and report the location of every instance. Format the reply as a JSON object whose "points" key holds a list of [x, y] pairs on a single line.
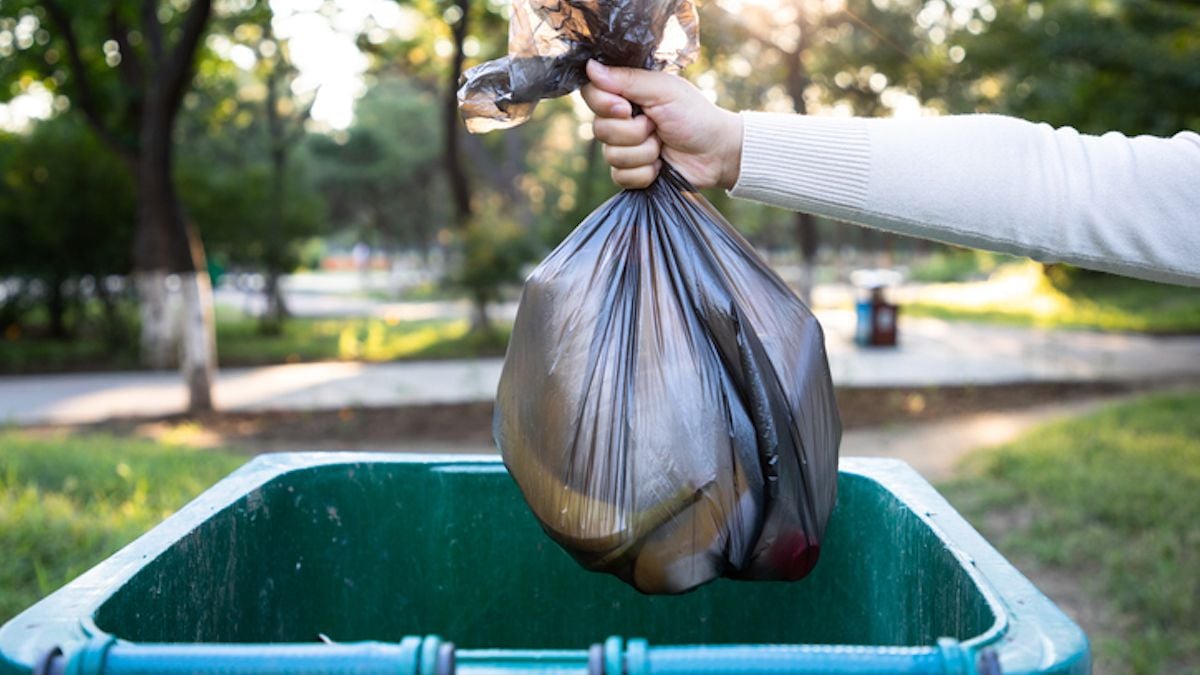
{"points": [[702, 141]]}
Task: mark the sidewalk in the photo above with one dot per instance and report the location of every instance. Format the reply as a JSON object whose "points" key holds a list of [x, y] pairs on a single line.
{"points": [[932, 353]]}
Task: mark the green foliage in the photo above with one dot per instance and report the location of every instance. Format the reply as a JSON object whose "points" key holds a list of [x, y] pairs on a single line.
{"points": [[1088, 301], [382, 179], [67, 502], [956, 264], [1113, 501], [299, 339], [41, 60], [231, 206], [66, 218], [66, 203], [1097, 65], [365, 339], [493, 252], [99, 338], [236, 145]]}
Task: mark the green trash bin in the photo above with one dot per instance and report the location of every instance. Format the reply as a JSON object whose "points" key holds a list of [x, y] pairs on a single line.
{"points": [[374, 563]]}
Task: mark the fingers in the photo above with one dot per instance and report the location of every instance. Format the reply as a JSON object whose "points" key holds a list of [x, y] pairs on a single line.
{"points": [[637, 178], [630, 146], [605, 104], [631, 157], [643, 87], [627, 131]]}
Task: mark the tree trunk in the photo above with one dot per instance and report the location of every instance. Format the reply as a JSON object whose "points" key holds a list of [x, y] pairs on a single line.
{"points": [[115, 337], [198, 360], [806, 236], [456, 175], [806, 226], [166, 244], [481, 323], [276, 311], [56, 307], [159, 337]]}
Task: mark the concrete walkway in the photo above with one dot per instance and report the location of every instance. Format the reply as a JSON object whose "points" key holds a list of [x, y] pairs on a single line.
{"points": [[932, 353]]}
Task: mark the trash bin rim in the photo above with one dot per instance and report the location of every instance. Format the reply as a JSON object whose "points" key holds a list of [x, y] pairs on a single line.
{"points": [[64, 618]]}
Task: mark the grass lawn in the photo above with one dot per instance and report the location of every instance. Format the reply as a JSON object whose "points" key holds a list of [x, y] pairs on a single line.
{"points": [[365, 339], [66, 503], [239, 343], [1019, 294], [1110, 503]]}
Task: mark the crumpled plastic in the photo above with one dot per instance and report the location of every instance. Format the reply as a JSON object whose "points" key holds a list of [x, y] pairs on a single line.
{"points": [[665, 406], [550, 42]]}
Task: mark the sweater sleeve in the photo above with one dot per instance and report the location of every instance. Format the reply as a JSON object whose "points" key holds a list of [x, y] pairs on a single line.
{"points": [[1114, 203]]}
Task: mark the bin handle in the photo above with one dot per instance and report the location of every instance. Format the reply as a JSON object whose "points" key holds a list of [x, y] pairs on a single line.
{"points": [[636, 657], [107, 655]]}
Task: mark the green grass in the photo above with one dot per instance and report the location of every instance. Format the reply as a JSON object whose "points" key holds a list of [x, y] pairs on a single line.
{"points": [[1098, 302], [19, 355], [956, 264], [240, 343], [68, 502], [1112, 502], [368, 339]]}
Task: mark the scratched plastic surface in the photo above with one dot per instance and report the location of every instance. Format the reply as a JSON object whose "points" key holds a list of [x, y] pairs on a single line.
{"points": [[371, 546]]}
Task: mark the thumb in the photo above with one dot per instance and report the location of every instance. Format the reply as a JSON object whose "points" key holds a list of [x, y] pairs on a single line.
{"points": [[643, 87]]}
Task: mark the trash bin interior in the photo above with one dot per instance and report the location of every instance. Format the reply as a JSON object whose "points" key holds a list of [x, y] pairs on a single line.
{"points": [[378, 551]]}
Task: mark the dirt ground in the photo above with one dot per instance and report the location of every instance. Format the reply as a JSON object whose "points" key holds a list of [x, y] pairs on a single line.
{"points": [[468, 426]]}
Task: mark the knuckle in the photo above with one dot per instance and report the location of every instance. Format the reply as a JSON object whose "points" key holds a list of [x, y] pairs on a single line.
{"points": [[624, 159], [603, 130], [611, 154]]}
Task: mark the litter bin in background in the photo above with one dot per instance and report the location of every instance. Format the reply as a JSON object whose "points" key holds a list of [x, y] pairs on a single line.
{"points": [[372, 563], [876, 318]]}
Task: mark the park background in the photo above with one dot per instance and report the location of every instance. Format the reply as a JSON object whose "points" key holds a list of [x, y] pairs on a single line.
{"points": [[229, 227]]}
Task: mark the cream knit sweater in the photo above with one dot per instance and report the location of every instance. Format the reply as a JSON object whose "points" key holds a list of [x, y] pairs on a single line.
{"points": [[1124, 205]]}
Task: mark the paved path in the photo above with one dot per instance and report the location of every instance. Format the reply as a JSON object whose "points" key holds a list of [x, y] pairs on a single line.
{"points": [[932, 352]]}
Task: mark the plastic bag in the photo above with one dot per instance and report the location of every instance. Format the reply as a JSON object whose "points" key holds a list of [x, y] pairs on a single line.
{"points": [[665, 405], [550, 42]]}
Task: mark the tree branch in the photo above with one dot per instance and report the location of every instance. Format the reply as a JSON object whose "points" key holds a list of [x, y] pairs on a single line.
{"points": [[84, 98], [130, 68], [296, 133], [153, 31], [176, 72]]}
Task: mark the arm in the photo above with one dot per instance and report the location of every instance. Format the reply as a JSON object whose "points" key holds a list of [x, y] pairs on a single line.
{"points": [[1124, 205]]}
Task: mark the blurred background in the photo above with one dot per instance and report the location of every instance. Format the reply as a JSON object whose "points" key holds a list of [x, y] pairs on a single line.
{"points": [[230, 227]]}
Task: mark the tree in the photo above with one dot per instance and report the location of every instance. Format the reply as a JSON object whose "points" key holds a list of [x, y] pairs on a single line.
{"points": [[471, 166], [1129, 66], [802, 56], [125, 66], [384, 177], [66, 220], [493, 251]]}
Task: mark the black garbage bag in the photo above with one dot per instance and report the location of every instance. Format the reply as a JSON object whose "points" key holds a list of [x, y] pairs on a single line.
{"points": [[665, 405]]}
